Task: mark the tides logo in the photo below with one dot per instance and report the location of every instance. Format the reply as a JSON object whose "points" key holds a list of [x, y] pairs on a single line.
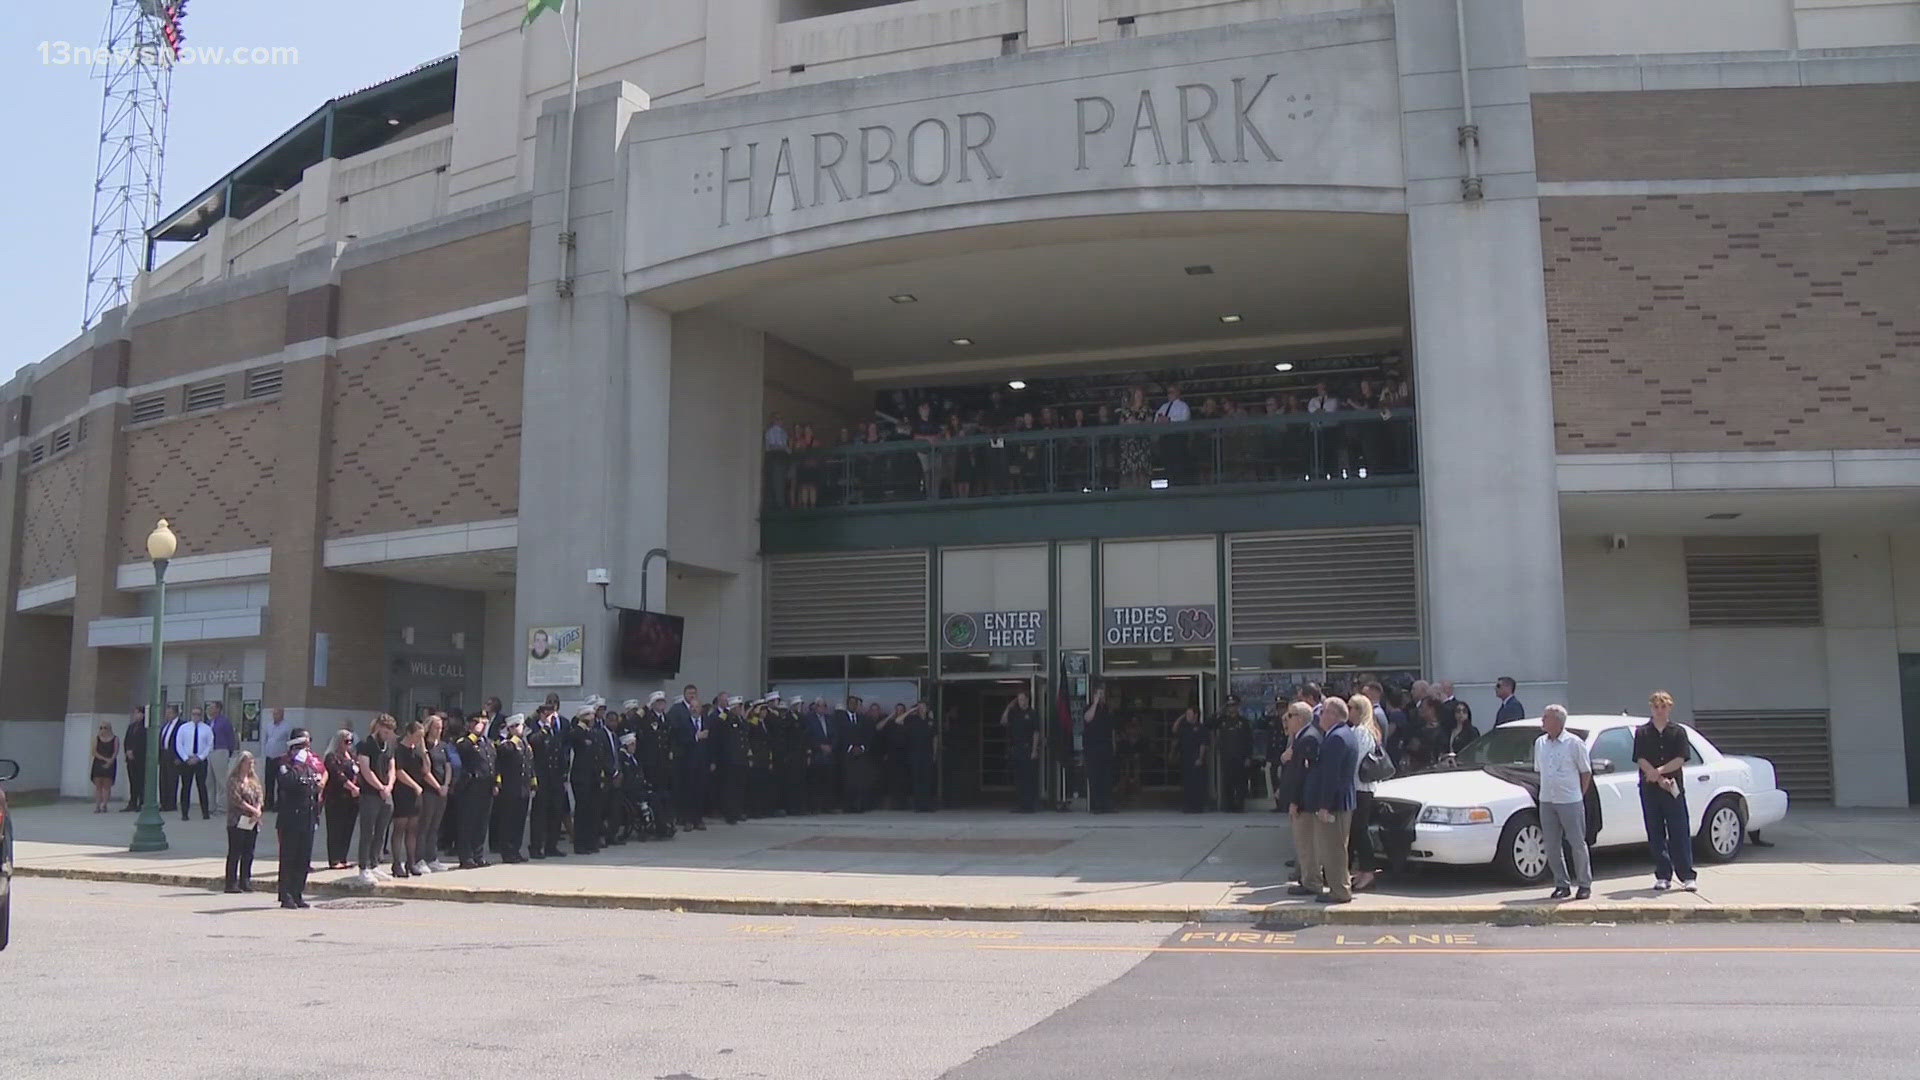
{"points": [[960, 631]]}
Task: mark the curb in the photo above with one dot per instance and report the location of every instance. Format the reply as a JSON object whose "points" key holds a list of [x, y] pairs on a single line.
{"points": [[1289, 913]]}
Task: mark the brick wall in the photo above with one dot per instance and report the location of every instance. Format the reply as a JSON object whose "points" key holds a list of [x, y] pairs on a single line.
{"points": [[51, 521], [426, 428], [1734, 322], [208, 337], [210, 476], [1761, 131], [450, 277]]}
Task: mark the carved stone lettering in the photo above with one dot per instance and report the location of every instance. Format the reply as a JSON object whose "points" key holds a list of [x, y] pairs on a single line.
{"points": [[869, 159], [1144, 119]]}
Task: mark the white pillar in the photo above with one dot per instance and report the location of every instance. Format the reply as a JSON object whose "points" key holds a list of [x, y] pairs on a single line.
{"points": [[1490, 501]]}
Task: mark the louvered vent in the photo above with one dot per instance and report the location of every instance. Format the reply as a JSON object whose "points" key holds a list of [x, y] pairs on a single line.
{"points": [[264, 382], [149, 408], [207, 395], [62, 439], [1324, 586], [1798, 744], [873, 602], [38, 454], [1758, 581]]}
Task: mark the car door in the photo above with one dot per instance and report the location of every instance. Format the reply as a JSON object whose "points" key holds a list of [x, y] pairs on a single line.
{"points": [[1702, 780], [1620, 820]]}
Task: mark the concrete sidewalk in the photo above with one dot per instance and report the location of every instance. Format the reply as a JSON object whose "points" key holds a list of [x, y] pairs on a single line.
{"points": [[1827, 864]]}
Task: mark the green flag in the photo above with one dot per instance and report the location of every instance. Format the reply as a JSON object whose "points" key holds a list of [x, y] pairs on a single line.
{"points": [[535, 7]]}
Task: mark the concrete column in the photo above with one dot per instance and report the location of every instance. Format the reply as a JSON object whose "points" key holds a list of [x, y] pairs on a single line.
{"points": [[1490, 502], [595, 415], [1863, 669]]}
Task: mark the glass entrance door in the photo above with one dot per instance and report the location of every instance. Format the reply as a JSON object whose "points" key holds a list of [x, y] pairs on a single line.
{"points": [[975, 769], [1145, 707]]}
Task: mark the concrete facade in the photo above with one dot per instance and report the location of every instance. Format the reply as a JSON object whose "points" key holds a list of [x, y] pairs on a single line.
{"points": [[1668, 295]]}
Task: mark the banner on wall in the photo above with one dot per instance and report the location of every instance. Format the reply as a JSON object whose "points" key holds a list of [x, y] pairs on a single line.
{"points": [[555, 655], [1161, 626], [996, 631], [249, 721]]}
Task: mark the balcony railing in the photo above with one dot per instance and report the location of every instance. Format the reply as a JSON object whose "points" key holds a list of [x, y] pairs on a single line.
{"points": [[1289, 449]]}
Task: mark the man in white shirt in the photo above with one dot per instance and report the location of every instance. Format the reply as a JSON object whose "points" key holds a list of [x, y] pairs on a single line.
{"points": [[1322, 400], [193, 744], [1173, 410], [273, 747], [1565, 777]]}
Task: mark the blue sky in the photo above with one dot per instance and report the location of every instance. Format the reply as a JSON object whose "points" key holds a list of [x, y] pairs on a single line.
{"points": [[220, 116]]}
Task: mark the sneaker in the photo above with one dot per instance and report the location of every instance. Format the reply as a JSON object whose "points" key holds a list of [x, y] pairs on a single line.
{"points": [[420, 869], [438, 867], [1661, 885], [365, 877], [382, 875], [1689, 885], [1583, 893]]}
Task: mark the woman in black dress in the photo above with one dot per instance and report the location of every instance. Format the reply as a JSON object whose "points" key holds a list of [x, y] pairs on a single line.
{"points": [[106, 766], [409, 780]]}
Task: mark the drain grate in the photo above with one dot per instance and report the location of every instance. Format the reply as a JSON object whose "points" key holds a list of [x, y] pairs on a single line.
{"points": [[355, 904]]}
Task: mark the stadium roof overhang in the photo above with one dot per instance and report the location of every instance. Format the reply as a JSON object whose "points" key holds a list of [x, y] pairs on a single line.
{"points": [[343, 127]]}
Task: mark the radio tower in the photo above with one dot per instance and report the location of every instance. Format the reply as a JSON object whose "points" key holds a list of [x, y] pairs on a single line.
{"points": [[142, 42]]}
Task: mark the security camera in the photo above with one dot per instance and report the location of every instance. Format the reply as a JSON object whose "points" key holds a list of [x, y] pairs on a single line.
{"points": [[1617, 542], [599, 576]]}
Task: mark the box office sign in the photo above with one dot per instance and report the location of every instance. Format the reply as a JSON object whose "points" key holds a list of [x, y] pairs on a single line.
{"points": [[993, 631], [1162, 626]]}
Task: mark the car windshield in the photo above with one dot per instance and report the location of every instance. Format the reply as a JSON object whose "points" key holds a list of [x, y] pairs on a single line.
{"points": [[1511, 746]]}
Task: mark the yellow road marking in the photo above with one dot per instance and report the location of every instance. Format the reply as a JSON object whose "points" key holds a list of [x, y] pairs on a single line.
{"points": [[1361, 949]]}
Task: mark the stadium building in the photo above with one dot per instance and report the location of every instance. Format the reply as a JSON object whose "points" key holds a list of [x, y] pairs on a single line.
{"points": [[1621, 305]]}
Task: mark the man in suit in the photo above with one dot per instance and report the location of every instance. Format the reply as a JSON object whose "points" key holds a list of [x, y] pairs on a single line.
{"points": [[686, 723], [820, 742], [134, 746], [849, 741], [1510, 707], [1329, 797], [169, 761]]}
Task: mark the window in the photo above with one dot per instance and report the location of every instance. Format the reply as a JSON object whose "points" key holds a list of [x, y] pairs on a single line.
{"points": [[149, 408], [264, 382], [62, 440], [207, 395], [1615, 745]]}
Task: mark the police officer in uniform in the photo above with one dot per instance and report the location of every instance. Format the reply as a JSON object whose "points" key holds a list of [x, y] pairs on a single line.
{"points": [[732, 754], [474, 791], [586, 771], [763, 791], [517, 782], [1023, 753], [298, 802], [1233, 748], [548, 745], [654, 745], [1190, 744], [1096, 747], [789, 739], [923, 754]]}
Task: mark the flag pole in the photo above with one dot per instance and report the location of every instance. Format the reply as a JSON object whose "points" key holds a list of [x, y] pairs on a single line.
{"points": [[564, 285]]}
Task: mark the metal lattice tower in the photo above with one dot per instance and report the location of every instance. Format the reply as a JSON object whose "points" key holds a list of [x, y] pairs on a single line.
{"points": [[137, 70]]}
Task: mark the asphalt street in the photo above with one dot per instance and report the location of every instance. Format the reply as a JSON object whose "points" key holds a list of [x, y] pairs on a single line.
{"points": [[155, 982]]}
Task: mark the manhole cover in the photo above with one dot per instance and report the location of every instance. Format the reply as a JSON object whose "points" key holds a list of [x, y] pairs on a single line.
{"points": [[1280, 926], [355, 904]]}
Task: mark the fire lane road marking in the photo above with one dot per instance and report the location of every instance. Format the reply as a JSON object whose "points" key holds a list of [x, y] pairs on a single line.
{"points": [[1366, 948]]}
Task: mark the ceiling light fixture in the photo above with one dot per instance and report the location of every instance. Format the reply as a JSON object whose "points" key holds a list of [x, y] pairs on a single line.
{"points": [[391, 122], [1283, 366], [1199, 271], [1159, 483], [1017, 384], [904, 298], [1229, 318], [963, 341], [1723, 516]]}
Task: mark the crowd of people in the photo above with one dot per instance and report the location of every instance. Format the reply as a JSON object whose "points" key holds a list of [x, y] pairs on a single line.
{"points": [[516, 788], [799, 476]]}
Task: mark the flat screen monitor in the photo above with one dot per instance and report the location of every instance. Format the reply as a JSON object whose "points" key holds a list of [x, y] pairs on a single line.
{"points": [[650, 644]]}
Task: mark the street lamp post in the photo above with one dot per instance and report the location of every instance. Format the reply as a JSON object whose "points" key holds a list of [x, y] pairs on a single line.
{"points": [[148, 833]]}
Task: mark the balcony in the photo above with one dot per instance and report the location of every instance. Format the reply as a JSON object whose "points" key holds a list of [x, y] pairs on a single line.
{"points": [[1307, 469]]}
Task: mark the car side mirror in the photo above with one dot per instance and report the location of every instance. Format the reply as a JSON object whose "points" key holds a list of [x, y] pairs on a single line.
{"points": [[1601, 766], [9, 769]]}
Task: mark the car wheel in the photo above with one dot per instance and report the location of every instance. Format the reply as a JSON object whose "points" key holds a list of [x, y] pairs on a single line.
{"points": [[1523, 849], [1723, 831]]}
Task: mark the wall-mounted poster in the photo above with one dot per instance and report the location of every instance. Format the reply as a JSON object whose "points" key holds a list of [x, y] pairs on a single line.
{"points": [[554, 655], [249, 721]]}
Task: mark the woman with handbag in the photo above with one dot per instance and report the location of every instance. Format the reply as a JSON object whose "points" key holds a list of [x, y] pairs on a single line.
{"points": [[1372, 766], [246, 801]]}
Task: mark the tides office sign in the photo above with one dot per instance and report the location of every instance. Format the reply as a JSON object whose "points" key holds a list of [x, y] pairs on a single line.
{"points": [[1160, 626]]}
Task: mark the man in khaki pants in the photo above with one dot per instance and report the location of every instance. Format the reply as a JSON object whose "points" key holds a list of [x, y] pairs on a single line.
{"points": [[1329, 797], [1290, 789]]}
